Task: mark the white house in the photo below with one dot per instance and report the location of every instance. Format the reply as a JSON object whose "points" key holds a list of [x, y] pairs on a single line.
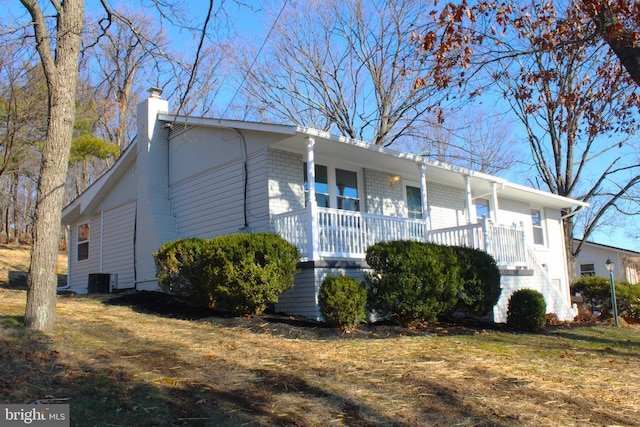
{"points": [[593, 256], [187, 176]]}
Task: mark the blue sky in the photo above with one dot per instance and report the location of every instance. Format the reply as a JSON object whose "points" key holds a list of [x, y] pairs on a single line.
{"points": [[250, 19]]}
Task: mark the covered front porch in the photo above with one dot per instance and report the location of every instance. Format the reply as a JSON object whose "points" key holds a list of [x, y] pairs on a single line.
{"points": [[324, 233]]}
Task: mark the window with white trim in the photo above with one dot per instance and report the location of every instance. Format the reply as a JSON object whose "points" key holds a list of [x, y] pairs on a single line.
{"points": [[82, 247], [587, 270], [414, 202], [538, 226], [334, 187], [347, 190], [322, 186]]}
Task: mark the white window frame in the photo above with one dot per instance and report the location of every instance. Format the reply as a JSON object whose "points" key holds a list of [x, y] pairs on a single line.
{"points": [[406, 200], [80, 241], [587, 271], [541, 227], [331, 178]]}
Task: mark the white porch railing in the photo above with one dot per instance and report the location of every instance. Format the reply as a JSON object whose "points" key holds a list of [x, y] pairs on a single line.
{"points": [[348, 234]]}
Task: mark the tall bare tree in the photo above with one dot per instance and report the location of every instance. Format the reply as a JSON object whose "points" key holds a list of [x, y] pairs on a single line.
{"points": [[58, 46], [337, 65], [114, 62], [472, 137]]}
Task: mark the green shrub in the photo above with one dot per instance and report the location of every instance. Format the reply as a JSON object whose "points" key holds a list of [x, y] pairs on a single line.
{"points": [[628, 301], [250, 271], [241, 272], [342, 301], [182, 269], [527, 310], [415, 282], [480, 281], [596, 291]]}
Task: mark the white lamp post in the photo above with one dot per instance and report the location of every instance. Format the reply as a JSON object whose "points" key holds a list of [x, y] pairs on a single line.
{"points": [[610, 265]]}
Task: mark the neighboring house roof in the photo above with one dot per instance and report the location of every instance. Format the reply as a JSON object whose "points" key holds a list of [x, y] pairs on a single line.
{"points": [[631, 255], [332, 146]]}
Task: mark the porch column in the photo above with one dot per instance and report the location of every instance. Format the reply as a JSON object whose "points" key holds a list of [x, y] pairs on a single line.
{"points": [[471, 217], [494, 202], [423, 194], [312, 206]]}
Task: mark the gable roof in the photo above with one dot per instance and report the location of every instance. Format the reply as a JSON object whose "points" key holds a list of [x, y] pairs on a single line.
{"points": [[294, 138], [392, 161]]}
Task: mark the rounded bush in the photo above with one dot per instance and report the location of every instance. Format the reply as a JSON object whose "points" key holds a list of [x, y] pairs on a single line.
{"points": [[182, 269], [342, 301], [480, 277], [415, 282], [240, 272], [527, 310], [250, 271]]}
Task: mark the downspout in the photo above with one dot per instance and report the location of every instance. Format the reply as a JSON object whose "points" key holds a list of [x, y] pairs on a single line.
{"points": [[101, 241], [245, 179]]}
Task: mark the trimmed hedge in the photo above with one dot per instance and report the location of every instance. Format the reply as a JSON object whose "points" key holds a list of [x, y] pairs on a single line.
{"points": [[182, 269], [342, 301], [595, 290], [239, 272], [527, 310], [415, 282], [480, 277], [628, 301]]}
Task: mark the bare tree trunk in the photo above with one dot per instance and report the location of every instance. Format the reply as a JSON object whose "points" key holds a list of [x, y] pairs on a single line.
{"points": [[61, 71], [572, 256], [15, 192]]}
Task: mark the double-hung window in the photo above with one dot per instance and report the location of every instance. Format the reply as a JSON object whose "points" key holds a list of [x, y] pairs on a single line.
{"points": [[414, 202], [347, 190], [322, 186], [538, 227], [335, 187], [83, 242]]}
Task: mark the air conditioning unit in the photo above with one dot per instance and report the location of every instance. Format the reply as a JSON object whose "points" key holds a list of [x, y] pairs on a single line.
{"points": [[102, 283]]}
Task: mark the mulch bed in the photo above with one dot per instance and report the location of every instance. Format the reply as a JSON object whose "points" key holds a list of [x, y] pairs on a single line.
{"points": [[292, 327]]}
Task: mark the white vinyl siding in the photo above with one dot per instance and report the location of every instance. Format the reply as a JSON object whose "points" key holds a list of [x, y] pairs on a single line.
{"points": [[117, 244], [211, 203]]}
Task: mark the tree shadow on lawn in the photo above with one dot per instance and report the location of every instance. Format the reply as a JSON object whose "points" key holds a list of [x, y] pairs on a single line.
{"points": [[140, 383], [604, 336], [102, 391], [294, 327]]}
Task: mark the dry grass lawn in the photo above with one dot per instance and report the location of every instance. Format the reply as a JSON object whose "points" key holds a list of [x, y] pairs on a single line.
{"points": [[117, 364]]}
